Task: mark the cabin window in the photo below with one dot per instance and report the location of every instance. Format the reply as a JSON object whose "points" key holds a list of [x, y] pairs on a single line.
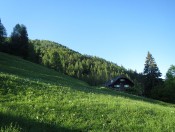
{"points": [[122, 80], [117, 86], [126, 86]]}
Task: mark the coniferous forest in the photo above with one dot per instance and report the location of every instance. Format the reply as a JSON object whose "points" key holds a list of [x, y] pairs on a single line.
{"points": [[91, 69]]}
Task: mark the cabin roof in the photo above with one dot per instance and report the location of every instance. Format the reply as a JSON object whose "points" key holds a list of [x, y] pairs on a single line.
{"points": [[114, 80]]}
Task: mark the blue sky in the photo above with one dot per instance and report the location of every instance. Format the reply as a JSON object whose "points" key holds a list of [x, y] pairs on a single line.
{"points": [[121, 31]]}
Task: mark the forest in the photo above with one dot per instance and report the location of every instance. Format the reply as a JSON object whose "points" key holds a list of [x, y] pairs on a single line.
{"points": [[91, 69]]}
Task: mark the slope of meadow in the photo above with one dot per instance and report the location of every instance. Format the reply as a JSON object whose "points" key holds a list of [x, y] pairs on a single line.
{"points": [[34, 98]]}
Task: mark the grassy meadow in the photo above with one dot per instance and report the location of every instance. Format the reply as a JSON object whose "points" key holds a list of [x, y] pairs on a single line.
{"points": [[35, 98]]}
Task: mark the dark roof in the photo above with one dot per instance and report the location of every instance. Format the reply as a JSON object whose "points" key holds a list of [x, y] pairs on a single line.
{"points": [[114, 80]]}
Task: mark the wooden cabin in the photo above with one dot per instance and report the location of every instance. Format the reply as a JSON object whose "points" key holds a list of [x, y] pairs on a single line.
{"points": [[120, 83]]}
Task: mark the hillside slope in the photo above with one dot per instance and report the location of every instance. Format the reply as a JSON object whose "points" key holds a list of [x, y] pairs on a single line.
{"points": [[91, 69], [34, 98]]}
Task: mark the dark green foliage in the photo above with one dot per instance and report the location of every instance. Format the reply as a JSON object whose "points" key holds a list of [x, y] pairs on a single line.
{"points": [[171, 73], [166, 92], [169, 91], [19, 41], [3, 36], [170, 84], [137, 79], [152, 74], [3, 33]]}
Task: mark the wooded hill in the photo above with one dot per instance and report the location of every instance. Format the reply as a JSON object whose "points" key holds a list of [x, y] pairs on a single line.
{"points": [[92, 69]]}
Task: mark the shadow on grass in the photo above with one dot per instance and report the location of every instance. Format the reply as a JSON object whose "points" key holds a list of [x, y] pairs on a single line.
{"points": [[108, 91], [28, 125], [112, 92]]}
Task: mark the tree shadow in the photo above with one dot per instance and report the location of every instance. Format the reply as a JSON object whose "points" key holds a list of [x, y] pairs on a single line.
{"points": [[112, 92], [28, 125]]}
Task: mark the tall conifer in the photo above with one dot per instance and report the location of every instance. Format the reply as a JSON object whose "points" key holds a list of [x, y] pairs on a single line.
{"points": [[152, 74]]}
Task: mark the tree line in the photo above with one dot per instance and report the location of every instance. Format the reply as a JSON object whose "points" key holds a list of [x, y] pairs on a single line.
{"points": [[91, 69]]}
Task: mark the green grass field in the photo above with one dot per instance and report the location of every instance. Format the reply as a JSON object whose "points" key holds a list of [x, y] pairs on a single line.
{"points": [[34, 98]]}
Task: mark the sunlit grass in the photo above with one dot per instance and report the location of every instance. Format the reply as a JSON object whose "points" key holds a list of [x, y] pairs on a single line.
{"points": [[34, 98]]}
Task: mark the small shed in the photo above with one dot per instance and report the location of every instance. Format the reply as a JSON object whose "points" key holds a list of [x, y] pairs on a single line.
{"points": [[120, 83]]}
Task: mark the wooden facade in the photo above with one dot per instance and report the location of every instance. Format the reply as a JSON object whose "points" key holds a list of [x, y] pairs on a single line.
{"points": [[120, 83]]}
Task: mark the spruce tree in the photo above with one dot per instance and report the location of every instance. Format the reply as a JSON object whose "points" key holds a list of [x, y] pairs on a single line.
{"points": [[3, 33], [152, 74]]}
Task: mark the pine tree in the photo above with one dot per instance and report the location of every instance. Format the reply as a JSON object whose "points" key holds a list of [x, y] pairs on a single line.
{"points": [[19, 41], [152, 74], [3, 33]]}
